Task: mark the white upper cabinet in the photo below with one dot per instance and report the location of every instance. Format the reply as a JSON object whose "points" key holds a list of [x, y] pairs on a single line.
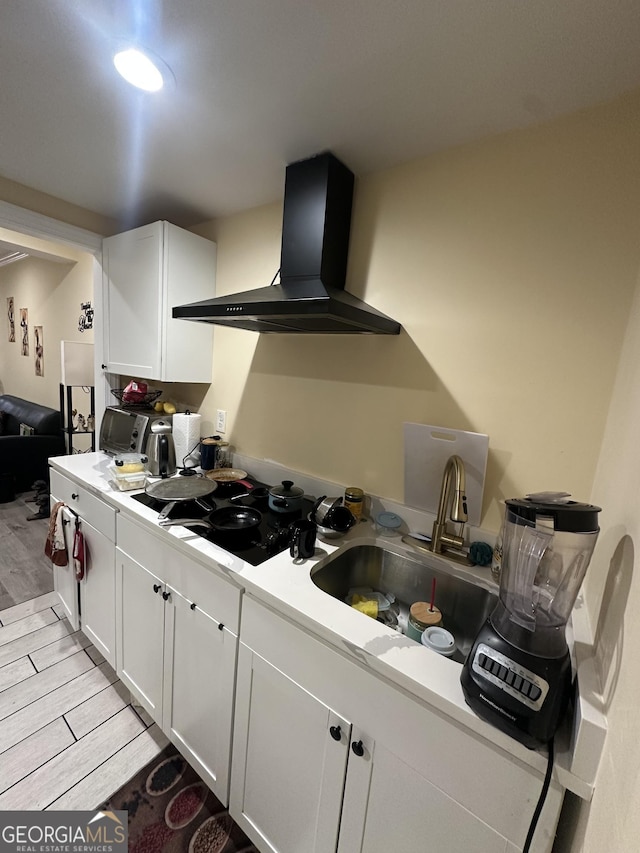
{"points": [[148, 271]]}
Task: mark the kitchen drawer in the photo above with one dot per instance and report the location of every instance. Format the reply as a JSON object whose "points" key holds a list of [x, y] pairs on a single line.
{"points": [[215, 595], [87, 506]]}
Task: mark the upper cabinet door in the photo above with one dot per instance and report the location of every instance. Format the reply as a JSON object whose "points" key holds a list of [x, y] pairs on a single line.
{"points": [[147, 271]]}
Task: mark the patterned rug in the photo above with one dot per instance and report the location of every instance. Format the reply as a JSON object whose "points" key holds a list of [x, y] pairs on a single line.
{"points": [[171, 810]]}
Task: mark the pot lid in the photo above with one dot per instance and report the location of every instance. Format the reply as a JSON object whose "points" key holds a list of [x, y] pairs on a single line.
{"points": [[287, 490]]}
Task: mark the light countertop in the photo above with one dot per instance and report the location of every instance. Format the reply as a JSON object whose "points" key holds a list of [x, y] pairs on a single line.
{"points": [[433, 679]]}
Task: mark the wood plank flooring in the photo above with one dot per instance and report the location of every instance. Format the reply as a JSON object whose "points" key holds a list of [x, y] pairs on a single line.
{"points": [[24, 570], [69, 736]]}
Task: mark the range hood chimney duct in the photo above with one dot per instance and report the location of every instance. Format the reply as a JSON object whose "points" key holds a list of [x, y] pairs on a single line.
{"points": [[310, 298]]}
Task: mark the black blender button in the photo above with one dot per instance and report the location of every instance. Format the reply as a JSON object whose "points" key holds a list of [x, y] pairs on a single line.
{"points": [[482, 660], [534, 692], [517, 682], [502, 672], [526, 685], [510, 677]]}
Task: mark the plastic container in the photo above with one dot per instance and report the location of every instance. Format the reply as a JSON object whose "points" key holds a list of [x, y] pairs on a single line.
{"points": [[383, 601], [388, 524], [439, 640], [130, 463], [127, 482], [129, 471]]}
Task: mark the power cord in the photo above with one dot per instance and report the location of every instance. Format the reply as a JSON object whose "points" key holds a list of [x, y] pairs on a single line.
{"points": [[541, 799]]}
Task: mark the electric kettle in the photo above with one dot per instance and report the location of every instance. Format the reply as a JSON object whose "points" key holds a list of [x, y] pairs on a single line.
{"points": [[161, 450]]}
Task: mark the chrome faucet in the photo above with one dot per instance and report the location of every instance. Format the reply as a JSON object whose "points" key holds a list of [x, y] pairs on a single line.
{"points": [[451, 493]]}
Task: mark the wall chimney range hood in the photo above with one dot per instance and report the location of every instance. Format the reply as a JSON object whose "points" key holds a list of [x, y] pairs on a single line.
{"points": [[310, 298]]}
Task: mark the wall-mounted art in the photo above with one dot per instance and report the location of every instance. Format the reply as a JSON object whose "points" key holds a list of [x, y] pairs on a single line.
{"points": [[11, 320], [38, 342], [24, 325]]}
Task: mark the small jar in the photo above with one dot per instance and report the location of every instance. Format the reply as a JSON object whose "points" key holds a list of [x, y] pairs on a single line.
{"points": [[422, 617], [354, 500]]}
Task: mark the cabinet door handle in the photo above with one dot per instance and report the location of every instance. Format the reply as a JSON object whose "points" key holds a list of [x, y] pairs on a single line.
{"points": [[166, 595], [220, 627], [74, 496], [193, 605], [335, 732], [157, 587], [104, 366], [358, 748]]}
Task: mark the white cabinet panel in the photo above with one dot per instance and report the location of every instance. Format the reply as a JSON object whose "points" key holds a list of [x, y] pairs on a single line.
{"points": [[199, 679], [98, 593], [89, 507], [147, 271], [388, 805], [286, 761], [140, 631]]}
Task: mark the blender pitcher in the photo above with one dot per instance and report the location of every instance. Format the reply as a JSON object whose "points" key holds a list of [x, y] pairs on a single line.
{"points": [[518, 673]]}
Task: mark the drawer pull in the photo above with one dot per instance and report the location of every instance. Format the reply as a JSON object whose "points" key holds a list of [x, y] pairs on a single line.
{"points": [[335, 732], [166, 595], [193, 605], [358, 748], [157, 587], [220, 627], [74, 496]]}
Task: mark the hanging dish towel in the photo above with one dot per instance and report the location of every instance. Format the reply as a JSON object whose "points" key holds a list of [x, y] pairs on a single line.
{"points": [[55, 548], [79, 552]]}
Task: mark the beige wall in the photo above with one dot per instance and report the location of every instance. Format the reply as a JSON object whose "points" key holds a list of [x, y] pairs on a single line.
{"points": [[56, 208], [511, 265], [611, 821], [52, 292]]}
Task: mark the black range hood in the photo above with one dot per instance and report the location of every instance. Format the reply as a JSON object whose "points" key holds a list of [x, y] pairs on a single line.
{"points": [[310, 298]]}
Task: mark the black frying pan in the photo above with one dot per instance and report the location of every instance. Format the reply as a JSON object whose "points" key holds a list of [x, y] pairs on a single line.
{"points": [[227, 519]]}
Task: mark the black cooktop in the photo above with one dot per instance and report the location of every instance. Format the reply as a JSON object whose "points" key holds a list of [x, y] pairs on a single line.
{"points": [[255, 545]]}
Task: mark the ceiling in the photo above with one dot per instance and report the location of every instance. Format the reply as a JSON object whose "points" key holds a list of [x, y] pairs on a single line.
{"points": [[261, 83]]}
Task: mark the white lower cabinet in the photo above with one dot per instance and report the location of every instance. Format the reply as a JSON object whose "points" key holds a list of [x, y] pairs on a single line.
{"points": [[290, 759], [328, 756], [89, 604], [177, 646]]}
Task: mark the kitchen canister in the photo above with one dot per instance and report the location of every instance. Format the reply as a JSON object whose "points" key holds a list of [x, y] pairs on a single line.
{"points": [[214, 453], [186, 437]]}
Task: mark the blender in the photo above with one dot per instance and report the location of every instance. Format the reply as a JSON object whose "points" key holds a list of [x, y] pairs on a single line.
{"points": [[517, 675]]}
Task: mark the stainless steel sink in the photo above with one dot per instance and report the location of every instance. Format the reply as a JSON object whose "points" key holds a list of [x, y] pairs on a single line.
{"points": [[465, 601]]}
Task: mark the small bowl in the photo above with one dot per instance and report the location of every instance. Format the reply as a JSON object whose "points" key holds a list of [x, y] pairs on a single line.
{"points": [[322, 507], [339, 518]]}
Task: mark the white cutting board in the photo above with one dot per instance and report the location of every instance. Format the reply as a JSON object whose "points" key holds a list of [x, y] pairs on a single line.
{"points": [[426, 450]]}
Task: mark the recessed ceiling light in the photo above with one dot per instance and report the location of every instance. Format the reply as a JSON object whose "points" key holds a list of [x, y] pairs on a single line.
{"points": [[139, 69]]}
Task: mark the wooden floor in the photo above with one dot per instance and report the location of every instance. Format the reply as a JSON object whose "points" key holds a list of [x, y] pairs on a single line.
{"points": [[24, 570], [69, 736]]}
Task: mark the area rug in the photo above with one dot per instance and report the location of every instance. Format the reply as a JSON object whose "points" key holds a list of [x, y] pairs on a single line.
{"points": [[171, 810]]}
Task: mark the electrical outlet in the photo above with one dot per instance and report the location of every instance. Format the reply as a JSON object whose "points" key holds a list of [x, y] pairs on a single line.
{"points": [[221, 421]]}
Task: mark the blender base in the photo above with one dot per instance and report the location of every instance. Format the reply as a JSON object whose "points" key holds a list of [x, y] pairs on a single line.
{"points": [[523, 695]]}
